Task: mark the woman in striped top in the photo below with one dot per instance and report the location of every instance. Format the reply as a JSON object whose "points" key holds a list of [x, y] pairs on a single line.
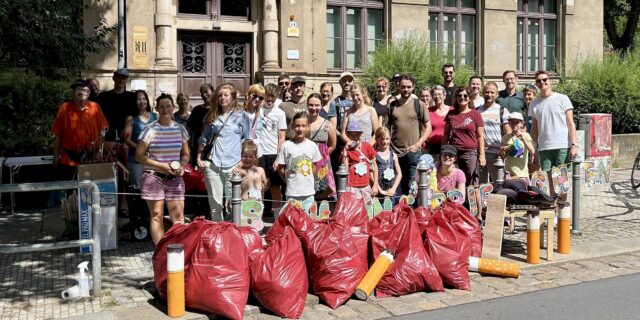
{"points": [[163, 151]]}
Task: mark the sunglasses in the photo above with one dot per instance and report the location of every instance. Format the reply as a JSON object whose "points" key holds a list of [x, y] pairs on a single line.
{"points": [[447, 72], [541, 80], [463, 96], [255, 96], [283, 83]]}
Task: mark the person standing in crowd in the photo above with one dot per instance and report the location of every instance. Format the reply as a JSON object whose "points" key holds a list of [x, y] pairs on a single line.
{"points": [[271, 128], [219, 147], [425, 96], [380, 102], [510, 98], [389, 172], [78, 129], [475, 86], [552, 122], [164, 152], [323, 133], [296, 161], [297, 103], [284, 83], [360, 112], [410, 126], [529, 92], [437, 114], [184, 110], [252, 103], [196, 119], [328, 110], [496, 124], [449, 177], [448, 72], [359, 157], [464, 129], [94, 86], [135, 126], [343, 102]]}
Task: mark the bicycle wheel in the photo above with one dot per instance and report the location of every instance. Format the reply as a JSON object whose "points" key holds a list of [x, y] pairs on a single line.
{"points": [[635, 173]]}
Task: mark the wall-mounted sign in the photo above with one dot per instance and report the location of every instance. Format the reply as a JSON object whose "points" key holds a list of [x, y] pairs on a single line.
{"points": [[293, 30], [293, 54], [140, 47]]}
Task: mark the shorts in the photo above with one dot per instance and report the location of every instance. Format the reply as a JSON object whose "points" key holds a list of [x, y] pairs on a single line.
{"points": [[554, 158], [364, 193], [266, 163], [157, 188]]}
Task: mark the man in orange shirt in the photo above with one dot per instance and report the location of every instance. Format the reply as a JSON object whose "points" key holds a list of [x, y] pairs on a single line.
{"points": [[78, 130]]}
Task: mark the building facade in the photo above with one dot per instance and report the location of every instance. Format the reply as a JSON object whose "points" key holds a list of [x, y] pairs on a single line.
{"points": [[176, 45]]}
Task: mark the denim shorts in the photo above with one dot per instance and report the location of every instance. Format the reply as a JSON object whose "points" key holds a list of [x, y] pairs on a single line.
{"points": [[157, 188]]}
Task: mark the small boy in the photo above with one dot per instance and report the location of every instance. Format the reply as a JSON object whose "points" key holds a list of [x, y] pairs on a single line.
{"points": [[517, 148], [360, 157], [254, 179]]}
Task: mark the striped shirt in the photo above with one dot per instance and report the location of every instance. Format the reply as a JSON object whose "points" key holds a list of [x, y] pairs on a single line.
{"points": [[165, 143]]}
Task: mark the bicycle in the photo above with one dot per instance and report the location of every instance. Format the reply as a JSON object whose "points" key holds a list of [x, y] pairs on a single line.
{"points": [[635, 172]]}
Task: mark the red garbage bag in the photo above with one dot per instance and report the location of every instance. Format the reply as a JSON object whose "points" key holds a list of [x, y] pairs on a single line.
{"points": [[193, 179], [333, 262], [449, 251], [412, 269], [464, 222], [218, 279], [356, 218], [423, 216], [279, 277], [294, 217], [251, 238]]}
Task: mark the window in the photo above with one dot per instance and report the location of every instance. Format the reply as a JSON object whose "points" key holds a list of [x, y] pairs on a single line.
{"points": [[452, 26], [228, 10], [536, 39], [353, 32]]}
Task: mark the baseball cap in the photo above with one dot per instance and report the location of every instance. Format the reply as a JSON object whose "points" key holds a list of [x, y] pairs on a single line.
{"points": [[298, 80], [79, 83], [121, 72], [345, 74], [447, 148], [516, 116], [354, 126], [395, 76]]}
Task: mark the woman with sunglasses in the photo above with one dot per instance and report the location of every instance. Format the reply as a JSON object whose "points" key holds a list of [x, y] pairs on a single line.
{"points": [[252, 103], [163, 151], [464, 129]]}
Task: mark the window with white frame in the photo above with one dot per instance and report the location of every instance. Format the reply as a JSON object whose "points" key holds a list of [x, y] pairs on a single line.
{"points": [[536, 40], [452, 26], [354, 29]]}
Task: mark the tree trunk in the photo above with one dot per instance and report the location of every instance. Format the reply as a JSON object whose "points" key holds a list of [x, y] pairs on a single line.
{"points": [[622, 43]]}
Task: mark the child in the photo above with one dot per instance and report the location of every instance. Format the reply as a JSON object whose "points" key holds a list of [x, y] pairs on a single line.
{"points": [[296, 161], [359, 157], [516, 148], [254, 179], [389, 173]]}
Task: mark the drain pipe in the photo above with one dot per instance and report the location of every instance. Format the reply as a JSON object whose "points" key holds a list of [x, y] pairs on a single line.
{"points": [[121, 31]]}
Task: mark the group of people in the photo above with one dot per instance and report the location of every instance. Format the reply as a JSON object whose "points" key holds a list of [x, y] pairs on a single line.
{"points": [[282, 142]]}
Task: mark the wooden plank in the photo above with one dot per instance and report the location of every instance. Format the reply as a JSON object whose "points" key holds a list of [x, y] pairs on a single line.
{"points": [[494, 226]]}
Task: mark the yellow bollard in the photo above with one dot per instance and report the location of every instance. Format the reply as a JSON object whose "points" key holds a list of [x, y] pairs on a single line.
{"points": [[175, 280], [533, 237], [494, 267], [373, 276], [564, 229]]}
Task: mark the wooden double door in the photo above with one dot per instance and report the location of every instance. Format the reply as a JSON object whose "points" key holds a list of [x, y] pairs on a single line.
{"points": [[214, 58]]}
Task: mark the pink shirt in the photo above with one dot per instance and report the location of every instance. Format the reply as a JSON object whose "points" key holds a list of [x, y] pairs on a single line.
{"points": [[446, 184]]}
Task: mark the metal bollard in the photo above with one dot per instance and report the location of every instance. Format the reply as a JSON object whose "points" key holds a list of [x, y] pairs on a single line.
{"points": [[575, 196], [236, 198], [423, 185], [499, 163], [342, 180]]}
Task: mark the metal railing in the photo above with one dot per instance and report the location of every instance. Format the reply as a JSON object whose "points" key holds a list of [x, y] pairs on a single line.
{"points": [[96, 265]]}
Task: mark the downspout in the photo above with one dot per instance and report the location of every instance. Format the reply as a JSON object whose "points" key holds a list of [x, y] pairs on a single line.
{"points": [[121, 32], [387, 17]]}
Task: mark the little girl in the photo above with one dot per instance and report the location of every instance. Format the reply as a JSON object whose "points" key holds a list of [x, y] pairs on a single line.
{"points": [[359, 157], [254, 179], [389, 173], [296, 161]]}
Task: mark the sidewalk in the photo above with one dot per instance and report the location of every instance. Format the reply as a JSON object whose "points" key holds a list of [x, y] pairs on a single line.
{"points": [[32, 282]]}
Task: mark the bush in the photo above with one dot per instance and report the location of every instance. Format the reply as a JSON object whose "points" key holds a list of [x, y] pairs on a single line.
{"points": [[411, 55], [608, 85], [28, 107]]}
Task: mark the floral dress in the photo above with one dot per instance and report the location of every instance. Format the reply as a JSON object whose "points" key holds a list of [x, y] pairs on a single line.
{"points": [[386, 178], [325, 184]]}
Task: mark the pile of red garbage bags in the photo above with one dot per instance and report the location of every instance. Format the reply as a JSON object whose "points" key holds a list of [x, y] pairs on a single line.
{"points": [[224, 263]]}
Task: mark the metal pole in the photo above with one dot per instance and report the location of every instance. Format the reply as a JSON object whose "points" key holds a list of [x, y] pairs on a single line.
{"points": [[121, 31], [499, 163], [575, 193], [96, 251], [423, 185], [342, 180], [236, 198]]}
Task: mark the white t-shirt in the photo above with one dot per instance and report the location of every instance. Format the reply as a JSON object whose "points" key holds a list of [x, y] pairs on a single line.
{"points": [[297, 159], [493, 127], [268, 125], [478, 102], [551, 115]]}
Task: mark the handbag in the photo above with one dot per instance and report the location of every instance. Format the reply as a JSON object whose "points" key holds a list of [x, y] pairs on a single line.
{"points": [[206, 151]]}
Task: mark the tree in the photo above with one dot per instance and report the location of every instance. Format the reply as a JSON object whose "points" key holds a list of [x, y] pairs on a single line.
{"points": [[621, 15], [47, 38]]}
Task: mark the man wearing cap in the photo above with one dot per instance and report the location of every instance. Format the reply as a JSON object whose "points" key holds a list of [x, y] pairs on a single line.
{"points": [[448, 71], [117, 104], [77, 129], [510, 98], [297, 103], [343, 101], [495, 121]]}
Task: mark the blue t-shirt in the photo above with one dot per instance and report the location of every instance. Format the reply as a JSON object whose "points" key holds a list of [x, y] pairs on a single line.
{"points": [[137, 127], [332, 111], [227, 148]]}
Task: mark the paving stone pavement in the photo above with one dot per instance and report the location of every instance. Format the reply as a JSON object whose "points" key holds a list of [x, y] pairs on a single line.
{"points": [[608, 246]]}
